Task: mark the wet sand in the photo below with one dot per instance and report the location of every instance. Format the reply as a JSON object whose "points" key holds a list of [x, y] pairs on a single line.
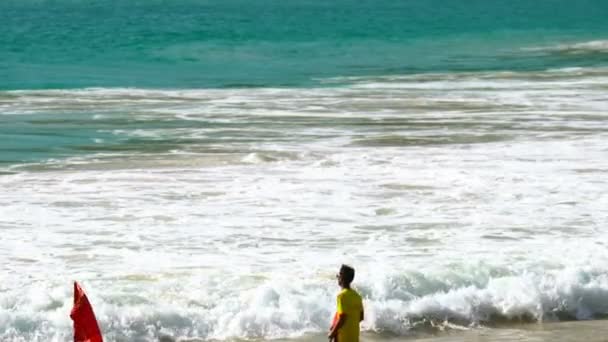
{"points": [[590, 331], [587, 331]]}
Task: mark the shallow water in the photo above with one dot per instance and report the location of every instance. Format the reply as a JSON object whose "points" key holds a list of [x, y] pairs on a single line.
{"points": [[473, 198]]}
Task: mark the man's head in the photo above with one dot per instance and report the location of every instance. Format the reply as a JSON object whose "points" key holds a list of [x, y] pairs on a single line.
{"points": [[346, 276]]}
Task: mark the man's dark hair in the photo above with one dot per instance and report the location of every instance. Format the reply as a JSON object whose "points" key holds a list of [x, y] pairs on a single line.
{"points": [[348, 273]]}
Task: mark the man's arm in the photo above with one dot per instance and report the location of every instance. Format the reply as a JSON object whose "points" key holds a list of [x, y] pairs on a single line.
{"points": [[333, 333]]}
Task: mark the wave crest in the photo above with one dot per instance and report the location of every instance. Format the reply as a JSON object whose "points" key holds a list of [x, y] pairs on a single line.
{"points": [[594, 46], [399, 304]]}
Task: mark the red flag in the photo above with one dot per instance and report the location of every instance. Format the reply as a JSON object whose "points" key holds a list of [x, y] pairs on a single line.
{"points": [[85, 324]]}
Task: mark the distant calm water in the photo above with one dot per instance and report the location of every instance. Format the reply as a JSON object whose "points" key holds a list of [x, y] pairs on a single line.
{"points": [[203, 167], [238, 43]]}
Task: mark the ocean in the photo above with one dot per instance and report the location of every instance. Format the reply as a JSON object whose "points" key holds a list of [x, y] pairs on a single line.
{"points": [[204, 167]]}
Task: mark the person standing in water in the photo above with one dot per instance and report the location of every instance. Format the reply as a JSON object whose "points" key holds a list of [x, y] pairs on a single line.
{"points": [[349, 309]]}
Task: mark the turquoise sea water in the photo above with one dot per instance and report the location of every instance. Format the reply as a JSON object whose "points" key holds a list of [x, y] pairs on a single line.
{"points": [[189, 44], [237, 43]]}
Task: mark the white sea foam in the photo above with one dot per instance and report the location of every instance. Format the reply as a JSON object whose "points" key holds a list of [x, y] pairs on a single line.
{"points": [[288, 306], [462, 200], [594, 46], [377, 93]]}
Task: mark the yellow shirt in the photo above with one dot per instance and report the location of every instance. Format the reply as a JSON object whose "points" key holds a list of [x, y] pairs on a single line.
{"points": [[350, 304]]}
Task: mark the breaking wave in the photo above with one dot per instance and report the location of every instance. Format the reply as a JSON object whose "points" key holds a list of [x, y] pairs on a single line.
{"points": [[400, 303]]}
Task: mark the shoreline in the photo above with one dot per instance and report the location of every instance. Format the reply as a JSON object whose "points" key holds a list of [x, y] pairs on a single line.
{"points": [[591, 331], [567, 331]]}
